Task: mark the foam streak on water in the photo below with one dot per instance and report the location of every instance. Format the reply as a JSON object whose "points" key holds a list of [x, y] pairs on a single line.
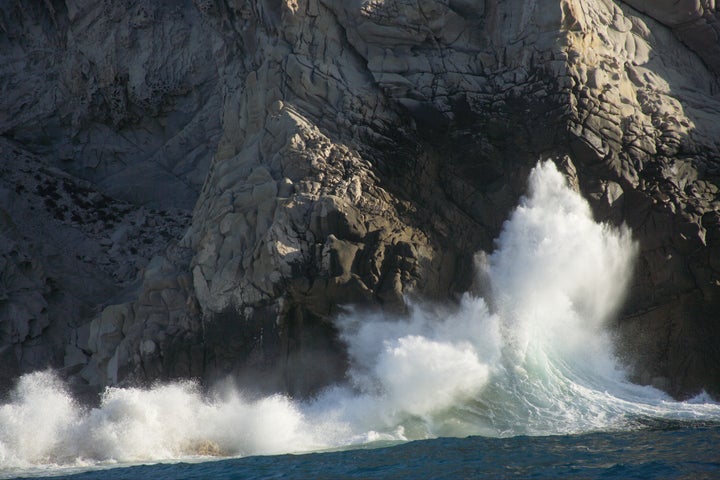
{"points": [[530, 358]]}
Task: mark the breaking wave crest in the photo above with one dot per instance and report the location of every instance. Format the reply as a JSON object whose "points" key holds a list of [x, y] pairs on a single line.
{"points": [[528, 357]]}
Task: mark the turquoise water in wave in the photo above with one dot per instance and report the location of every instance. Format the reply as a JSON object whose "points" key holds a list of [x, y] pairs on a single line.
{"points": [[663, 451]]}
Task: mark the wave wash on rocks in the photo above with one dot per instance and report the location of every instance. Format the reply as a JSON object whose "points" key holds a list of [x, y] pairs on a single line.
{"points": [[192, 189]]}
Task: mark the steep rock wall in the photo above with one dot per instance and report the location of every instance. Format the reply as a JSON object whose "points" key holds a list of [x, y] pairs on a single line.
{"points": [[644, 136], [361, 151], [109, 115]]}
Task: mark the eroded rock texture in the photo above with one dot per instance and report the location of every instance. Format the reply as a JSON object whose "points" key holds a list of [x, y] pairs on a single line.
{"points": [[337, 152]]}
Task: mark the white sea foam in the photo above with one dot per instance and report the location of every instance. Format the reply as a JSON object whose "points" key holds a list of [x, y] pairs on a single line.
{"points": [[532, 359], [42, 425]]}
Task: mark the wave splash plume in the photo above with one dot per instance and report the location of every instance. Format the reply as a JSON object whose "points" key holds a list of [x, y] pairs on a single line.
{"points": [[528, 357]]}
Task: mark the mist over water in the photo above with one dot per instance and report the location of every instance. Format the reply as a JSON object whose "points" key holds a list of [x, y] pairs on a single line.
{"points": [[528, 356]]}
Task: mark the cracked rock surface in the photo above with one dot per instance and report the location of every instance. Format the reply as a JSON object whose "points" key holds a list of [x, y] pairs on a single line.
{"points": [[194, 189]]}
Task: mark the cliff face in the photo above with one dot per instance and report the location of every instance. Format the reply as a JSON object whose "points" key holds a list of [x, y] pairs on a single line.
{"points": [[192, 189]]}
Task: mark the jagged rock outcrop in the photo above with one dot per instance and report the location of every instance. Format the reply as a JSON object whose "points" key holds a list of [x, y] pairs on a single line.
{"points": [[348, 152]]}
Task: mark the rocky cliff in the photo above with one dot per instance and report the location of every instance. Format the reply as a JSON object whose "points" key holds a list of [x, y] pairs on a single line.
{"points": [[194, 188]]}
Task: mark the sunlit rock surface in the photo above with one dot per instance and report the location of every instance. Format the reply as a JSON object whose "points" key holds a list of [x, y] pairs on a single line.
{"points": [[196, 188]]}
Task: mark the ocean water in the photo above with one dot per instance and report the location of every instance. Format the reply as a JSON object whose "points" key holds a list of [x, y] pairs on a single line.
{"points": [[518, 378], [671, 451]]}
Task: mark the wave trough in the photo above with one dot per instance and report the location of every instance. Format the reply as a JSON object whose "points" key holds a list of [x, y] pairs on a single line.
{"points": [[530, 356]]}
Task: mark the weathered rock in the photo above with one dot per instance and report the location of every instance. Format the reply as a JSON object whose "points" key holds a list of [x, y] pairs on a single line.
{"points": [[695, 22], [662, 156], [348, 152], [120, 94], [66, 249]]}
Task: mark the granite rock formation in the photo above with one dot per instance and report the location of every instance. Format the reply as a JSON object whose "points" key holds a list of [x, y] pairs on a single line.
{"points": [[196, 188]]}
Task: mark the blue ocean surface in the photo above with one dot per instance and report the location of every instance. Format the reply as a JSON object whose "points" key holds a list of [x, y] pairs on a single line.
{"points": [[659, 451]]}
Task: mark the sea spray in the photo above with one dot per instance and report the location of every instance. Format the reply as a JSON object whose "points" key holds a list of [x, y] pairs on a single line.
{"points": [[42, 424], [530, 358], [533, 355], [556, 277]]}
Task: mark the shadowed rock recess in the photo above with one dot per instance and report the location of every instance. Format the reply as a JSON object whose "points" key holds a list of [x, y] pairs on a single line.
{"points": [[194, 188]]}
